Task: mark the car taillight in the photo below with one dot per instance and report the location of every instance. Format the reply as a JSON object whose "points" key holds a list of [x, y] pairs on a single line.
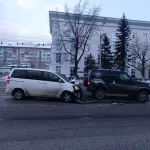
{"points": [[89, 82], [8, 80]]}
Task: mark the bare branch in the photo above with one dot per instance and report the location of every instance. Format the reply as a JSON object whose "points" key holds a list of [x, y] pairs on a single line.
{"points": [[141, 52], [77, 28]]}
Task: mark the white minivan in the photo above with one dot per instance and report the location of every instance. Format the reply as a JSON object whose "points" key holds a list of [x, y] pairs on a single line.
{"points": [[23, 82]]}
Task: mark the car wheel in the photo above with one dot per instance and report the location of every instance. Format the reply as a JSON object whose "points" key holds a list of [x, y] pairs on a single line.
{"points": [[67, 97], [100, 94], [18, 94], [143, 96]]}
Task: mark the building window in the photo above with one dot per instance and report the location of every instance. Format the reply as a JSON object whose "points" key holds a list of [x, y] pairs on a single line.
{"points": [[133, 60], [145, 37], [58, 69], [85, 59], [134, 36], [139, 65], [71, 71], [72, 48], [58, 58], [133, 73], [72, 59]]}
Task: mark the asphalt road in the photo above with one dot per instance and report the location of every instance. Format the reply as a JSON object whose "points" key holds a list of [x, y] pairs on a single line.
{"points": [[76, 134], [43, 124]]}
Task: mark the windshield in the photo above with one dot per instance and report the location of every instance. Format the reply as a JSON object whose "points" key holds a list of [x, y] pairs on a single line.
{"points": [[64, 77]]}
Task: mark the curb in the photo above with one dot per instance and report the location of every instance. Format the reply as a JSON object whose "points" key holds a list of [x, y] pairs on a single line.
{"points": [[102, 116]]}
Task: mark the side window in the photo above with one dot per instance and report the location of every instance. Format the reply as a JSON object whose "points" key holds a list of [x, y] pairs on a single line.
{"points": [[35, 75], [22, 74], [51, 77], [124, 77], [105, 76], [110, 77]]}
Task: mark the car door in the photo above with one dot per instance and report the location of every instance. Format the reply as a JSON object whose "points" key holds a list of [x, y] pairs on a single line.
{"points": [[124, 84], [52, 84], [34, 84], [110, 79]]}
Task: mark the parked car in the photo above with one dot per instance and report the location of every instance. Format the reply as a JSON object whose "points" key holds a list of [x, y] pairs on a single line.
{"points": [[102, 82], [4, 75], [23, 82]]}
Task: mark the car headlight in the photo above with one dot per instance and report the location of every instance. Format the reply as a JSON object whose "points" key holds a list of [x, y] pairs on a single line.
{"points": [[75, 87]]}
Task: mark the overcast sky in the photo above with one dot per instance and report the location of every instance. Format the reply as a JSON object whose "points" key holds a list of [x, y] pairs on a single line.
{"points": [[30, 17]]}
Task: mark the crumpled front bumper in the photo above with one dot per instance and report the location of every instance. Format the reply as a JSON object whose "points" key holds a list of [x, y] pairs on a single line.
{"points": [[78, 94]]}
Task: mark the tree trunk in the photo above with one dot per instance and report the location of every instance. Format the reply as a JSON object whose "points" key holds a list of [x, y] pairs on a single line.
{"points": [[76, 68], [143, 70]]}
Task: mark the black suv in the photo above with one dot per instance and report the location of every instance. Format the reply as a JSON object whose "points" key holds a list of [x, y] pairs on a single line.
{"points": [[102, 82]]}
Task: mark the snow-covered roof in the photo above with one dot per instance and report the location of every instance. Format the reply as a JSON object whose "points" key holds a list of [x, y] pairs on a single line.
{"points": [[26, 45]]}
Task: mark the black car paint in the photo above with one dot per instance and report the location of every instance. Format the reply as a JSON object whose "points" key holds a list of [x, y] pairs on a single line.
{"points": [[132, 87]]}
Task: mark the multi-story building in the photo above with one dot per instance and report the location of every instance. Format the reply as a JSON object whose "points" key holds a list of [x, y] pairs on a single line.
{"points": [[140, 29], [35, 55]]}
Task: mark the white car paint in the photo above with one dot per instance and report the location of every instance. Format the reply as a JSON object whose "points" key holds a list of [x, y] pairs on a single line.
{"points": [[39, 88]]}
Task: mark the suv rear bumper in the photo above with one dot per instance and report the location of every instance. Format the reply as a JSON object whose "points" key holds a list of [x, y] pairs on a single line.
{"points": [[90, 89]]}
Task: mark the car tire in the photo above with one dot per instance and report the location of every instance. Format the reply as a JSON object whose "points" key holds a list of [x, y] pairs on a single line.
{"points": [[67, 97], [100, 94], [143, 96], [18, 94]]}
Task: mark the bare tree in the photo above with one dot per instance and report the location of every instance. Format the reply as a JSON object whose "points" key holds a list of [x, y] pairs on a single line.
{"points": [[141, 56], [76, 30]]}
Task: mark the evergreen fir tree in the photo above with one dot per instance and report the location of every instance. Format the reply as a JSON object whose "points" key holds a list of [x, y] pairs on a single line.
{"points": [[90, 63], [106, 55], [122, 54]]}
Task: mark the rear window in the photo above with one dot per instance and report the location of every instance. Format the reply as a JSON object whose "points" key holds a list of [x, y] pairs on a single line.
{"points": [[22, 74], [96, 74]]}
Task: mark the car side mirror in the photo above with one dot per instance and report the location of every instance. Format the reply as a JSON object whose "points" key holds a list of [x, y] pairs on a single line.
{"points": [[60, 81]]}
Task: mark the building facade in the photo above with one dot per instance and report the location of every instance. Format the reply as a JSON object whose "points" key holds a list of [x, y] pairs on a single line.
{"points": [[140, 30], [35, 56]]}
